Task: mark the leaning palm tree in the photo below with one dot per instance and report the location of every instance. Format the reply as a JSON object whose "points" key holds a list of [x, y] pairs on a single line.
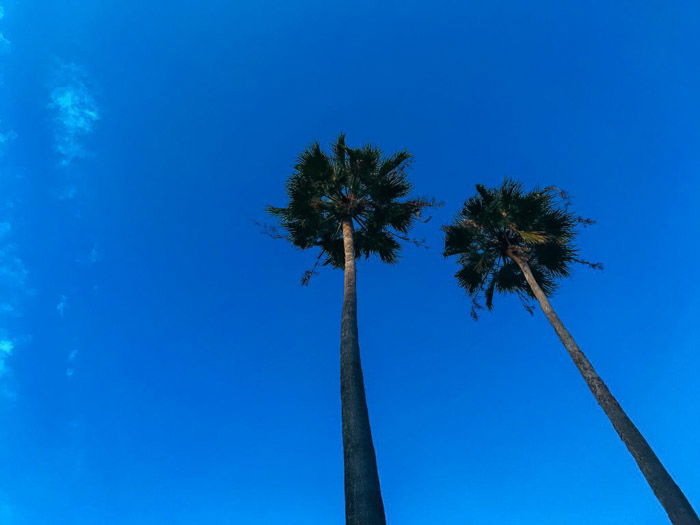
{"points": [[349, 204], [512, 241]]}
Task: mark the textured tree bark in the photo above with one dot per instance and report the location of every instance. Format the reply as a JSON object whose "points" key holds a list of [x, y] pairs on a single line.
{"points": [[363, 497], [668, 493]]}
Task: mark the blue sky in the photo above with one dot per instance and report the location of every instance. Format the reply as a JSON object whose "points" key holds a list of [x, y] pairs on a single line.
{"points": [[159, 362]]}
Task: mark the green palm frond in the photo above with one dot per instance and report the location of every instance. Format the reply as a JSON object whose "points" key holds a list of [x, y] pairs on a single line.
{"points": [[360, 184], [494, 222], [531, 237]]}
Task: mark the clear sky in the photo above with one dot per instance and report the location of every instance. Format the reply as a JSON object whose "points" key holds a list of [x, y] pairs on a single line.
{"points": [[161, 364]]}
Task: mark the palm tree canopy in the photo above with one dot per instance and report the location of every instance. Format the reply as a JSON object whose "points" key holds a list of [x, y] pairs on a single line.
{"points": [[359, 184], [534, 225]]}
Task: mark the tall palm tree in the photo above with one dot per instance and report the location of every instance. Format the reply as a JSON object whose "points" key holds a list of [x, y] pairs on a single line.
{"points": [[511, 241], [349, 204]]}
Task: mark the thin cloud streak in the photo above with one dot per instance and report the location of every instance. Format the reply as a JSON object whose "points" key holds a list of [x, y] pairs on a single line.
{"points": [[62, 305], [5, 44], [72, 356], [75, 112], [5, 138], [13, 287]]}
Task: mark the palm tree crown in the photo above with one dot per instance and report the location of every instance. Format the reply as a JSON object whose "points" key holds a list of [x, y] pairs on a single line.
{"points": [[358, 184], [498, 223]]}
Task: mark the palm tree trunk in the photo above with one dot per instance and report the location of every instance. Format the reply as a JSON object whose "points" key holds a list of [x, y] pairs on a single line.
{"points": [[673, 500], [363, 497]]}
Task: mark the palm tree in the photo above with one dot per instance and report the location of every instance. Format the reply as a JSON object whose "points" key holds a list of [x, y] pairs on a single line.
{"points": [[350, 204], [511, 241]]}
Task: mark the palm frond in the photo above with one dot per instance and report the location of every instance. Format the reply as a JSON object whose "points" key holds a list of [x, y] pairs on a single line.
{"points": [[532, 237]]}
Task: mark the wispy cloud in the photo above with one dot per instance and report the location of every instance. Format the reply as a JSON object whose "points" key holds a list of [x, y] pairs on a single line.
{"points": [[13, 278], [6, 137], [75, 116], [5, 44], [13, 272], [7, 346], [92, 257], [13, 290], [62, 305], [70, 370], [76, 112]]}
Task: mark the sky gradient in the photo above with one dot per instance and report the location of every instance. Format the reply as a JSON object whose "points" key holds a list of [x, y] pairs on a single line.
{"points": [[159, 360]]}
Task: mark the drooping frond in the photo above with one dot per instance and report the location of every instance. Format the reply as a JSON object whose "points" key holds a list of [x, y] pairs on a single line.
{"points": [[359, 184], [497, 222]]}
